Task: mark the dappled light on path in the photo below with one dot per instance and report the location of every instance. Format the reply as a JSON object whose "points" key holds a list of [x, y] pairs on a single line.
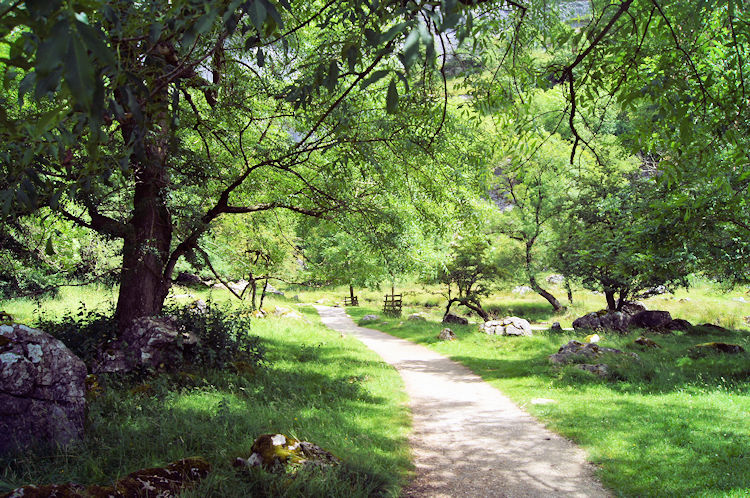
{"points": [[469, 439]]}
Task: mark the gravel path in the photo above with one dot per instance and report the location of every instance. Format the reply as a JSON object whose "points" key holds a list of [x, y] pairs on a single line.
{"points": [[469, 440]]}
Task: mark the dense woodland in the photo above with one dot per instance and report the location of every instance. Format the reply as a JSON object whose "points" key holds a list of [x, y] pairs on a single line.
{"points": [[354, 142]]}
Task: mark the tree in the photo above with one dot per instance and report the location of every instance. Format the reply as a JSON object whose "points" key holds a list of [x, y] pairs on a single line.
{"points": [[536, 188], [611, 244], [474, 263], [148, 121]]}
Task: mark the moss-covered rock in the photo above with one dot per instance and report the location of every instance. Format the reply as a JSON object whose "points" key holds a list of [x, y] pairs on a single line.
{"points": [[279, 452], [716, 348], [159, 481], [646, 342]]}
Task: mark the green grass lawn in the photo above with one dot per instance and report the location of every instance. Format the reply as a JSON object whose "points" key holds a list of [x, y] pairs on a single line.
{"points": [[316, 386], [668, 426]]}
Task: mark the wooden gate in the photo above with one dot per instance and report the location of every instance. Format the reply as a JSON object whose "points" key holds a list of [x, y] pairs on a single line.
{"points": [[351, 301], [392, 305]]}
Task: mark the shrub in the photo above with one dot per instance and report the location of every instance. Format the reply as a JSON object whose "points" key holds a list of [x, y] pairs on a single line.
{"points": [[223, 334]]}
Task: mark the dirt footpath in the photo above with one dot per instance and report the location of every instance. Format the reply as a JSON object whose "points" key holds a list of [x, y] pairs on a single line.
{"points": [[469, 440]]}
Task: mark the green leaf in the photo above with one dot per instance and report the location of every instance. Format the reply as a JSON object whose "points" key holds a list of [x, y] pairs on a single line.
{"points": [[333, 75], [49, 249], [391, 99], [205, 22], [411, 47], [79, 73], [376, 76], [154, 32], [391, 33], [93, 39], [257, 12], [50, 54], [274, 13]]}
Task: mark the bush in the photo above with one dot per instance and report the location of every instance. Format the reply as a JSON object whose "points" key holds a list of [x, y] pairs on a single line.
{"points": [[223, 334], [82, 332]]}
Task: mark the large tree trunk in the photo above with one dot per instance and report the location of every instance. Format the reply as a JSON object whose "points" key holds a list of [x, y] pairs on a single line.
{"points": [[351, 292], [476, 307], [144, 283]]}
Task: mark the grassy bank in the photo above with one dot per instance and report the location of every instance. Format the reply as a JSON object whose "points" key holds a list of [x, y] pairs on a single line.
{"points": [[669, 425], [315, 386]]}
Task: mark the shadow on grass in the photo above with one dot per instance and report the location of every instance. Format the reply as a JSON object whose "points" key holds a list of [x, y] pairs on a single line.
{"points": [[325, 398]]}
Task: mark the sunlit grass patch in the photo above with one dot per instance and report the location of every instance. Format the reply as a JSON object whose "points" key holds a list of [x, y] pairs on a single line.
{"points": [[667, 425]]}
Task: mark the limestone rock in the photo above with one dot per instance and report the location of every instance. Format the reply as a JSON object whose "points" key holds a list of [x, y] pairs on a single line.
{"points": [[446, 335], [451, 318], [189, 279], [369, 318], [600, 369], [42, 389], [510, 325], [149, 342], [556, 327], [616, 320], [631, 308], [676, 324], [716, 329], [575, 350], [650, 319], [653, 291], [555, 279], [522, 289], [275, 452], [416, 317], [592, 338], [270, 289], [715, 347], [199, 307], [162, 482], [239, 286]]}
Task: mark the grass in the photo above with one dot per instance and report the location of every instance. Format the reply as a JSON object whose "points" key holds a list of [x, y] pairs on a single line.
{"points": [[669, 425], [702, 303], [316, 386]]}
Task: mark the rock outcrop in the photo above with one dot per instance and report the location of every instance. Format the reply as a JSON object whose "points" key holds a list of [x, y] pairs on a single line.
{"points": [[616, 320], [163, 482], [42, 389], [715, 347], [510, 325], [148, 342], [650, 319], [458, 320], [446, 335], [575, 350]]}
